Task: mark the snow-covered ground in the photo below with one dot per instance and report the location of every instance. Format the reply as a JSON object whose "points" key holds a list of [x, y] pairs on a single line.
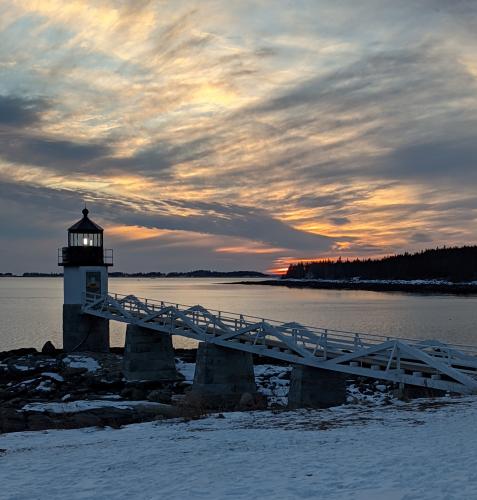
{"points": [[424, 450]]}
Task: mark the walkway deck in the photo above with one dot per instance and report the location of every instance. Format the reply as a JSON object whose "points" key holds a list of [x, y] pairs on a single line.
{"points": [[428, 363]]}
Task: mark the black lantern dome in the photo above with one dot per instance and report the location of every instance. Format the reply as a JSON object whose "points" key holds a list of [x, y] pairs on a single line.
{"points": [[85, 233], [85, 245]]}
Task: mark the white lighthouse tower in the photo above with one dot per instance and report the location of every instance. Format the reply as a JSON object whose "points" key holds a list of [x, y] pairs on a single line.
{"points": [[85, 264]]}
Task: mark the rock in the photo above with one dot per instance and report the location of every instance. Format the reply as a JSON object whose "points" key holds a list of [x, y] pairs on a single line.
{"points": [[28, 365], [134, 394], [70, 371], [246, 401], [48, 348], [160, 396], [46, 388], [18, 352], [181, 387], [40, 421], [12, 420], [195, 401], [252, 402]]}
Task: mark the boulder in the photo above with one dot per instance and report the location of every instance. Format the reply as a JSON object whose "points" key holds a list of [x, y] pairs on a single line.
{"points": [[48, 348], [246, 401], [250, 402], [134, 394], [160, 396], [12, 420]]}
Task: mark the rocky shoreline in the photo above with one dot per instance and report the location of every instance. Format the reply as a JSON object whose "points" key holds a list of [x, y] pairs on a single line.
{"points": [[425, 287], [53, 389]]}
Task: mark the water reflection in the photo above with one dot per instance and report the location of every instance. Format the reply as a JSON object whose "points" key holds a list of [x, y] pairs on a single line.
{"points": [[31, 308]]}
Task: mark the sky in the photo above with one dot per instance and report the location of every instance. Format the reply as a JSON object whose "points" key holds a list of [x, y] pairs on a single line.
{"points": [[237, 134]]}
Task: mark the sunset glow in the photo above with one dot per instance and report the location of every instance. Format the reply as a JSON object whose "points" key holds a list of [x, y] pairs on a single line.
{"points": [[237, 135]]}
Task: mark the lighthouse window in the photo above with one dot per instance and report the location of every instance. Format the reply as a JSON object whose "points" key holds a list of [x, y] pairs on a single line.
{"points": [[85, 240]]}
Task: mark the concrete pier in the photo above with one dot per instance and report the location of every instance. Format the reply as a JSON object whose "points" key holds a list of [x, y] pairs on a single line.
{"points": [[315, 388], [148, 355], [222, 376], [83, 332]]}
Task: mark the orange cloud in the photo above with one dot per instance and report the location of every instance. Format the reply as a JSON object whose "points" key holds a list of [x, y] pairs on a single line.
{"points": [[252, 249]]}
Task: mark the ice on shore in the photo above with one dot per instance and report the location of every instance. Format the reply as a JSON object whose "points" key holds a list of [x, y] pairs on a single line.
{"points": [[81, 361], [85, 405]]}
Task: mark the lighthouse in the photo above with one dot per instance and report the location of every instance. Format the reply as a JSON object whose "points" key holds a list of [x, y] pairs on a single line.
{"points": [[85, 264]]}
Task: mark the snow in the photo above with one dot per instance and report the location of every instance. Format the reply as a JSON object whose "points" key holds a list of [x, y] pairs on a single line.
{"points": [[23, 368], [45, 386], [27, 382], [84, 405], [273, 382], [81, 361], [423, 450], [187, 369], [54, 376]]}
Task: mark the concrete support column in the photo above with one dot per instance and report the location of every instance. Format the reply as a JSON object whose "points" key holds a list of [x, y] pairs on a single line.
{"points": [[148, 355], [316, 388], [222, 376], [83, 332]]}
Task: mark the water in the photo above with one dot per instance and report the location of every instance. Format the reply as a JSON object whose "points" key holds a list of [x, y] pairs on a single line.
{"points": [[31, 308]]}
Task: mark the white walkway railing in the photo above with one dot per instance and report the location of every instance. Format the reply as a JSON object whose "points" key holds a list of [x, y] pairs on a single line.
{"points": [[428, 363]]}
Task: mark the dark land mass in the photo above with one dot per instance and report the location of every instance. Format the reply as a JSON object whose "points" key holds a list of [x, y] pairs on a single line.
{"points": [[454, 264], [153, 274], [192, 274], [384, 286]]}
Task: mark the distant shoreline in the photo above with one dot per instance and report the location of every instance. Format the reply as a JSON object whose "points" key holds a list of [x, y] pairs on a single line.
{"points": [[193, 274], [416, 286]]}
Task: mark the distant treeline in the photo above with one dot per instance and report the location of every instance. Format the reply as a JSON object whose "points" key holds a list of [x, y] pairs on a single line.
{"points": [[452, 264], [42, 275], [201, 273]]}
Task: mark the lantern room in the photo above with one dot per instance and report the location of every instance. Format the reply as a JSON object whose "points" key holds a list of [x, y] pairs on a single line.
{"points": [[85, 245], [85, 233]]}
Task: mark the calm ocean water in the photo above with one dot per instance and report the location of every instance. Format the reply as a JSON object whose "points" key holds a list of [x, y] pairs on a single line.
{"points": [[31, 308]]}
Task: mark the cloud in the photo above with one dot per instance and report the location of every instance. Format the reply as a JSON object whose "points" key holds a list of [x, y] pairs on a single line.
{"points": [[339, 221], [20, 112], [212, 218], [317, 127], [27, 148], [421, 238], [454, 161]]}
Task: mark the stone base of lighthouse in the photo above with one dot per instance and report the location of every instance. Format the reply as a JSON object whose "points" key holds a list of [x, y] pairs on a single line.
{"points": [[83, 332]]}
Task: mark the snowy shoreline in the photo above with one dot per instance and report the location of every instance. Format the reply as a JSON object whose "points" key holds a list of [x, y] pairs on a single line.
{"points": [[373, 447], [40, 391], [411, 286]]}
